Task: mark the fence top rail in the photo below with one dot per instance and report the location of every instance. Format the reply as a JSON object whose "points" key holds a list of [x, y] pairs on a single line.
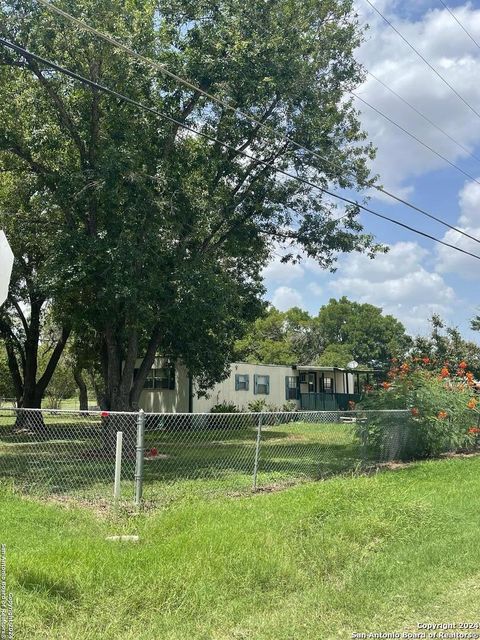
{"points": [[106, 413], [76, 412]]}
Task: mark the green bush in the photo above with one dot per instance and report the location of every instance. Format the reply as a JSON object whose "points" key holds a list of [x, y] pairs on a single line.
{"points": [[258, 406], [224, 407], [442, 414]]}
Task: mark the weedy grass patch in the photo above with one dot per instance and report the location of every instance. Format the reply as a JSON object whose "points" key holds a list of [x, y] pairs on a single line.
{"points": [[319, 560]]}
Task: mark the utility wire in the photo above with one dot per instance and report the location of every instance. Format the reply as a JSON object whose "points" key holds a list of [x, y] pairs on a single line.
{"points": [[462, 26], [414, 137], [163, 69], [422, 115], [421, 56], [75, 76]]}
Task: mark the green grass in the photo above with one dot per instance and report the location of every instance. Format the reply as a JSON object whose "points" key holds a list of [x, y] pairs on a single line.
{"points": [[316, 561], [64, 458]]}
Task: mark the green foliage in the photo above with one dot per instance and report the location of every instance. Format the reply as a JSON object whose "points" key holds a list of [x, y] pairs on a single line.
{"points": [[289, 406], [362, 331], [156, 239], [7, 390], [441, 412], [259, 405], [275, 337], [342, 331], [335, 355], [224, 407], [61, 386], [445, 344]]}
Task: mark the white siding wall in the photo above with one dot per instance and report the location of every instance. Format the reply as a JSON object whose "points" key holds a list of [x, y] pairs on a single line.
{"points": [[225, 391], [167, 400], [177, 400]]}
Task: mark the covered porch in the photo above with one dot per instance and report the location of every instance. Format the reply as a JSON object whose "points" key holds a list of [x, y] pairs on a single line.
{"points": [[330, 388]]}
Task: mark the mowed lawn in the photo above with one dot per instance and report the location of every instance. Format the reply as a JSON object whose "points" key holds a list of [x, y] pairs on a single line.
{"points": [[316, 561], [66, 458]]}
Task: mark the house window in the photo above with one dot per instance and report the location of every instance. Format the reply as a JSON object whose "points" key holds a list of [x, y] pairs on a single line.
{"points": [[328, 385], [262, 385], [291, 387], [242, 382], [311, 383], [163, 378]]}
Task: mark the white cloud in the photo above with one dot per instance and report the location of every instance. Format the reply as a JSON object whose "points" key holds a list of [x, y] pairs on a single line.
{"points": [[315, 289], [397, 282], [450, 261], [280, 272], [439, 38], [285, 298]]}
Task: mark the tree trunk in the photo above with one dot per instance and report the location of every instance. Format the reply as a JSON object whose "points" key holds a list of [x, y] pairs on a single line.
{"points": [[119, 371], [82, 388]]}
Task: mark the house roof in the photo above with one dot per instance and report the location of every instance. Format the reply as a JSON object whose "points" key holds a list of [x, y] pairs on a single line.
{"points": [[312, 367]]}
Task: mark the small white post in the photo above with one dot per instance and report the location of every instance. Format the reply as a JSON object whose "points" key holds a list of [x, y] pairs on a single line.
{"points": [[118, 467], [257, 452]]}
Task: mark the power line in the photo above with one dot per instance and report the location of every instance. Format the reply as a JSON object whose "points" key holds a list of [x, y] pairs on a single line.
{"points": [[422, 115], [462, 26], [414, 137], [116, 43], [27, 54], [421, 56]]}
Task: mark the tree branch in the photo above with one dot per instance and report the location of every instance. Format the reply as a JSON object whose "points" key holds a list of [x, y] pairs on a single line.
{"points": [[43, 382], [62, 110]]}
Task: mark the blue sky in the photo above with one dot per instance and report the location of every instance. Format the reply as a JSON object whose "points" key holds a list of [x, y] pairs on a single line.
{"points": [[417, 277]]}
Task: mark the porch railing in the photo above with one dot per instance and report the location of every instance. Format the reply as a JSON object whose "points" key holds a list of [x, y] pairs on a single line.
{"points": [[328, 401]]}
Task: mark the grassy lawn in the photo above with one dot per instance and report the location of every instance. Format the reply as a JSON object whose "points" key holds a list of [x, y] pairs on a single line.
{"points": [[65, 458], [315, 561]]}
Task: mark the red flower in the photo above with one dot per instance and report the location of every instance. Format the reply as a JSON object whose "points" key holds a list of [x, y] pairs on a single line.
{"points": [[426, 360], [444, 373], [105, 414], [386, 385], [442, 415], [405, 368], [415, 411], [474, 430], [153, 452], [462, 365]]}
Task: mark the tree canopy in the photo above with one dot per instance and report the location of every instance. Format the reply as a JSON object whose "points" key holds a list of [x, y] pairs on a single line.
{"points": [[342, 331], [153, 239]]}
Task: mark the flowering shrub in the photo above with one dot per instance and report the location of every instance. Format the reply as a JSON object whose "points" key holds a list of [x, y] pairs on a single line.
{"points": [[441, 403]]}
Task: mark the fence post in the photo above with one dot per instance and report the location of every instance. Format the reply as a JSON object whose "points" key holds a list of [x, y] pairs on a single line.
{"points": [[257, 451], [139, 458], [118, 467]]}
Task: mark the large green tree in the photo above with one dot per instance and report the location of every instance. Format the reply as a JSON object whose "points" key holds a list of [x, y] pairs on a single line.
{"points": [[371, 337], [276, 338], [445, 344], [32, 337], [160, 236], [342, 331]]}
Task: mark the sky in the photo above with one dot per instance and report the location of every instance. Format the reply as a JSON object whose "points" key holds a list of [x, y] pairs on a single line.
{"points": [[417, 277]]}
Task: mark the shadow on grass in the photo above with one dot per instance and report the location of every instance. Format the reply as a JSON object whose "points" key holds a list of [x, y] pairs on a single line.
{"points": [[67, 458], [42, 584]]}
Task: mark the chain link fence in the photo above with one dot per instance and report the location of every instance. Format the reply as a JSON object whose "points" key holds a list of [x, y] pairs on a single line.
{"points": [[165, 456]]}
